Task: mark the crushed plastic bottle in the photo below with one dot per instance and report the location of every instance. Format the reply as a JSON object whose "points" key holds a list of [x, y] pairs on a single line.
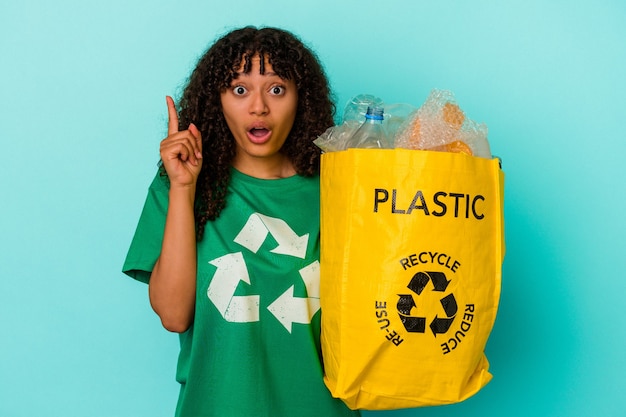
{"points": [[371, 134], [357, 106]]}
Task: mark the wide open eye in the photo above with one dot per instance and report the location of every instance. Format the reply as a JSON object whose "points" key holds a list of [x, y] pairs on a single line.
{"points": [[277, 90], [239, 90]]}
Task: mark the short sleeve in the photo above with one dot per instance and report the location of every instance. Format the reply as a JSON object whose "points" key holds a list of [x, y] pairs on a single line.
{"points": [[145, 247]]}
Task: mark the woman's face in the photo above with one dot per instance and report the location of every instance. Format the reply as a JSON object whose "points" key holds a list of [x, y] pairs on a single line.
{"points": [[260, 110]]}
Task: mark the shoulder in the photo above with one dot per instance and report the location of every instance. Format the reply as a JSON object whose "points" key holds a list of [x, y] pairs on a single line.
{"points": [[160, 181]]}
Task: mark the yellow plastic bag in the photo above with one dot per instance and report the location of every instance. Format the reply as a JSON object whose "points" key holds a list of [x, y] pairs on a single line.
{"points": [[412, 244]]}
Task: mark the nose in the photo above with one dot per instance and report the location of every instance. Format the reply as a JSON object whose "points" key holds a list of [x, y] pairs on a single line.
{"points": [[258, 105]]}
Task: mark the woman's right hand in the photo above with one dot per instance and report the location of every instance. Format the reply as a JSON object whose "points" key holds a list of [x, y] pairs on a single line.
{"points": [[173, 280], [181, 151]]}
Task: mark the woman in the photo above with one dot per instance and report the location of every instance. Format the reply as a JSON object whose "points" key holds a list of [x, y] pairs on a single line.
{"points": [[229, 236]]}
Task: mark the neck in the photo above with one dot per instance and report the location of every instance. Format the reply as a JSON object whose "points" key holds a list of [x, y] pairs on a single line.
{"points": [[264, 168]]}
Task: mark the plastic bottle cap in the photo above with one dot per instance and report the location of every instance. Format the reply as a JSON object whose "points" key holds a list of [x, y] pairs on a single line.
{"points": [[375, 113]]}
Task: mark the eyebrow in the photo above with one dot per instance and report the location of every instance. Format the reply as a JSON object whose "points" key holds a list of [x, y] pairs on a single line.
{"points": [[269, 74]]}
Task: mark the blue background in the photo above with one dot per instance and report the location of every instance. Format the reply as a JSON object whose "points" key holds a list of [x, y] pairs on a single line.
{"points": [[82, 111]]}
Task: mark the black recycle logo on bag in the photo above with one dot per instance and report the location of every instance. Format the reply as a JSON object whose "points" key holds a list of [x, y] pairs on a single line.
{"points": [[406, 303]]}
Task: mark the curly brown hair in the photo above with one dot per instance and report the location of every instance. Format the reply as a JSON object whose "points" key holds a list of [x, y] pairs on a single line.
{"points": [[200, 104]]}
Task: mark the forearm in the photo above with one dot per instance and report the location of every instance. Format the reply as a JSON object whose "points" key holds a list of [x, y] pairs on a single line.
{"points": [[173, 280]]}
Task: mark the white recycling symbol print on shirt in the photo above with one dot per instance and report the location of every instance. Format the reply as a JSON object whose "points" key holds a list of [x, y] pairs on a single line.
{"points": [[231, 268]]}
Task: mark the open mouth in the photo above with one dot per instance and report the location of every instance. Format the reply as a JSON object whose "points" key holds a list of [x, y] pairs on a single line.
{"points": [[259, 134]]}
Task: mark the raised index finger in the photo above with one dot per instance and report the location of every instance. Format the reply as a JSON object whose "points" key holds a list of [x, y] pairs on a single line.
{"points": [[172, 124]]}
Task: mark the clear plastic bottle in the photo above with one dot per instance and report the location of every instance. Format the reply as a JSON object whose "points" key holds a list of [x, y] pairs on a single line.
{"points": [[371, 134]]}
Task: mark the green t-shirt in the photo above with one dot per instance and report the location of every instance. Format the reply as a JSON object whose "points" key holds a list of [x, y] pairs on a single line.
{"points": [[253, 349]]}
